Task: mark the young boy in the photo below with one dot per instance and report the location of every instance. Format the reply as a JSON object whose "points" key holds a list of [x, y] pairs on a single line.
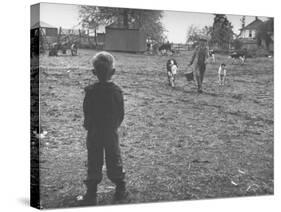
{"points": [[222, 73], [172, 67], [103, 112]]}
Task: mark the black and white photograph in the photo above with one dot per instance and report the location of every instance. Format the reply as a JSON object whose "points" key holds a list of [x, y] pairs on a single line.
{"points": [[132, 105]]}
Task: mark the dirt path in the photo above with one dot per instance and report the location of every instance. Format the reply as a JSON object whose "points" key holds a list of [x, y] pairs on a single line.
{"points": [[176, 144]]}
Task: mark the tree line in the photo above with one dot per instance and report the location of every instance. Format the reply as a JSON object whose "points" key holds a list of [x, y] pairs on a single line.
{"points": [[220, 33]]}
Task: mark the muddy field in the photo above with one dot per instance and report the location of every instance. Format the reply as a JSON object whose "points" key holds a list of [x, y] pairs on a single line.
{"points": [[176, 144]]}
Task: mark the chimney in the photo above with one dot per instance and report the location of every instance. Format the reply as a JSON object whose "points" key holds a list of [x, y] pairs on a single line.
{"points": [[257, 18]]}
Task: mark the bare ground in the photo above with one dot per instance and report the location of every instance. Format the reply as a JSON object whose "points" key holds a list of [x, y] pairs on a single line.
{"points": [[176, 144]]}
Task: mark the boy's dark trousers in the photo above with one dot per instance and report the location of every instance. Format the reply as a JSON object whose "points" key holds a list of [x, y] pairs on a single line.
{"points": [[100, 143]]}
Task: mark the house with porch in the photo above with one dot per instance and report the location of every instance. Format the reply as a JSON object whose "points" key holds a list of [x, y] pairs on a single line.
{"points": [[248, 34]]}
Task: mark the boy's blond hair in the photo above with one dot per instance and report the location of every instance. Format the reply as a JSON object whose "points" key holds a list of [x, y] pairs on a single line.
{"points": [[103, 59], [103, 63]]}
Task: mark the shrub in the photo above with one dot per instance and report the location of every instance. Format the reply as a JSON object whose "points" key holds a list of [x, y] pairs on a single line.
{"points": [[260, 52], [237, 44]]}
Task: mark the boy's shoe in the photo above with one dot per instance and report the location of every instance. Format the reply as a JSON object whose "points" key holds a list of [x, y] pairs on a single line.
{"points": [[89, 200], [120, 192], [200, 90]]}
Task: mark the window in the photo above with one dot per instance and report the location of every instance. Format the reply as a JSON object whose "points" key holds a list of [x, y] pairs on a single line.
{"points": [[253, 33]]}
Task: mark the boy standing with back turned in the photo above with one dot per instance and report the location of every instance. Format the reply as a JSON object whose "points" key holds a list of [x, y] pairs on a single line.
{"points": [[103, 108]]}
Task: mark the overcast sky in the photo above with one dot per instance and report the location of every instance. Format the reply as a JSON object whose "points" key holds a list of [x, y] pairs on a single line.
{"points": [[176, 23]]}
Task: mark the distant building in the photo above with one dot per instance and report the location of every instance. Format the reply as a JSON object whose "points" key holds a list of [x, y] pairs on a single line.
{"points": [[47, 29], [248, 34], [47, 34], [124, 39]]}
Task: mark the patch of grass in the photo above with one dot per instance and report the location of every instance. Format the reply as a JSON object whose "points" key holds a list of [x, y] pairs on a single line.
{"points": [[176, 144]]}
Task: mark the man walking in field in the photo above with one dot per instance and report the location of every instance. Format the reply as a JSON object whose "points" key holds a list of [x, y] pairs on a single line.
{"points": [[199, 59]]}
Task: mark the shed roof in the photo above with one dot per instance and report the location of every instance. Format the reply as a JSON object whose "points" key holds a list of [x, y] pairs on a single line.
{"points": [[254, 24], [42, 24]]}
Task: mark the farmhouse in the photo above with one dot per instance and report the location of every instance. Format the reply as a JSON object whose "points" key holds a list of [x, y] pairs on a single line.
{"points": [[248, 34], [124, 39]]}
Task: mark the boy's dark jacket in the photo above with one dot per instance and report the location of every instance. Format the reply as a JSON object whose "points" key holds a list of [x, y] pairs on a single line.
{"points": [[103, 107]]}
